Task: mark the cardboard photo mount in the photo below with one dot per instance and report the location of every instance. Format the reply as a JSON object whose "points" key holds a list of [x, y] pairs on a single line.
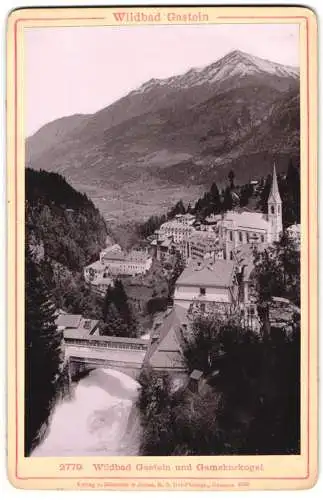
{"points": [[142, 472]]}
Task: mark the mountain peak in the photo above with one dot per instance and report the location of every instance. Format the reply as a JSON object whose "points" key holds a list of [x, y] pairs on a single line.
{"points": [[236, 64], [239, 64]]}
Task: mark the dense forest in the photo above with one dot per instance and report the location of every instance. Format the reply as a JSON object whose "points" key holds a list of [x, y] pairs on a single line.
{"points": [[66, 232]]}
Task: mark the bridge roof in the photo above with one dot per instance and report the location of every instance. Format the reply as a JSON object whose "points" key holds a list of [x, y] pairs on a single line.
{"points": [[104, 338]]}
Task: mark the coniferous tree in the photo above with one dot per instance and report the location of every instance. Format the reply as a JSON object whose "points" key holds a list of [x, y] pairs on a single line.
{"points": [[245, 194], [122, 304], [231, 177], [291, 196], [227, 200], [178, 268], [117, 314], [114, 325], [43, 354], [215, 199]]}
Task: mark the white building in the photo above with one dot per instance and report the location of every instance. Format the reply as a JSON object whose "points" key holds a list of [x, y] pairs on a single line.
{"points": [[115, 262], [111, 248], [179, 231], [131, 263], [187, 219], [207, 283], [238, 228]]}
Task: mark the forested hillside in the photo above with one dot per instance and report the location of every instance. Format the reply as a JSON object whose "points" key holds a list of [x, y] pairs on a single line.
{"points": [[66, 232]]}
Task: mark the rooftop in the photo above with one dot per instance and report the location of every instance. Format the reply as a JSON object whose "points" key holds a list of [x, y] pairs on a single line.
{"points": [[244, 257], [119, 255], [174, 224], [246, 220], [213, 218], [294, 228], [196, 374], [77, 324], [69, 320], [185, 216], [105, 338], [205, 235], [218, 273], [166, 351], [97, 266], [102, 280]]}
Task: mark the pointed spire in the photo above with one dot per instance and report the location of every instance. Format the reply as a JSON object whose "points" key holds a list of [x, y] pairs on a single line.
{"points": [[274, 195]]}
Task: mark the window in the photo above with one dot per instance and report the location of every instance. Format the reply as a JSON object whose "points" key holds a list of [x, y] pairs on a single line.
{"points": [[251, 311], [231, 236], [262, 238], [272, 208], [278, 209], [247, 234], [202, 307], [202, 291], [240, 236]]}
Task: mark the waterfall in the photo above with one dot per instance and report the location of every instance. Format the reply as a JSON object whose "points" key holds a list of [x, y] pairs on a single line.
{"points": [[99, 419]]}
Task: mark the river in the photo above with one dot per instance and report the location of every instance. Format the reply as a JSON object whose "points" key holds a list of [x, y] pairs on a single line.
{"points": [[99, 419]]}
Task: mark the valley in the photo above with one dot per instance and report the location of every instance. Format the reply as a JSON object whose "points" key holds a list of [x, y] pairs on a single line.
{"points": [[170, 139]]}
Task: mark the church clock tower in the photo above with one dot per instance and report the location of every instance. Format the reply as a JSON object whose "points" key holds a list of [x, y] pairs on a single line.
{"points": [[274, 211]]}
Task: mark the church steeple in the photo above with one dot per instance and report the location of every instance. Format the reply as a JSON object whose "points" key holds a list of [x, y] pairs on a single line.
{"points": [[274, 196], [274, 210]]}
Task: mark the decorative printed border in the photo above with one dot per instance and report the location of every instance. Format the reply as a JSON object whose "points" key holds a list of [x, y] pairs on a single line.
{"points": [[309, 221]]}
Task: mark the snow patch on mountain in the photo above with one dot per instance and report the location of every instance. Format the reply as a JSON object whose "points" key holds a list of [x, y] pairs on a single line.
{"points": [[235, 64]]}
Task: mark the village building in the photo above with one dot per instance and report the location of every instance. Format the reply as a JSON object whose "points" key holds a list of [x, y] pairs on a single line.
{"points": [[225, 232], [164, 354], [294, 232], [212, 219], [115, 262], [101, 284], [208, 282], [195, 381], [76, 324], [176, 230], [162, 245], [130, 263], [238, 228], [186, 219], [204, 245], [244, 258]]}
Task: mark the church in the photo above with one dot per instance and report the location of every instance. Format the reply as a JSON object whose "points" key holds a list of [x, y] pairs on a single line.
{"points": [[239, 228]]}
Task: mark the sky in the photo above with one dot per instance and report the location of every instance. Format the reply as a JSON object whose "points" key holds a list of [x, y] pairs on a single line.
{"points": [[81, 70]]}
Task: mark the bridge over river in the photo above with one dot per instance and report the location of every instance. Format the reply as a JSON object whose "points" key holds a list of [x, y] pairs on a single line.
{"points": [[87, 352]]}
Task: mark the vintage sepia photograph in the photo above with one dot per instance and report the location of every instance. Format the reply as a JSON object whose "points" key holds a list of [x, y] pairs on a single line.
{"points": [[162, 240]]}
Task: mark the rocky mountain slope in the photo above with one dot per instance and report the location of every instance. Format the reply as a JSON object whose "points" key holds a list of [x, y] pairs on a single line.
{"points": [[169, 138]]}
